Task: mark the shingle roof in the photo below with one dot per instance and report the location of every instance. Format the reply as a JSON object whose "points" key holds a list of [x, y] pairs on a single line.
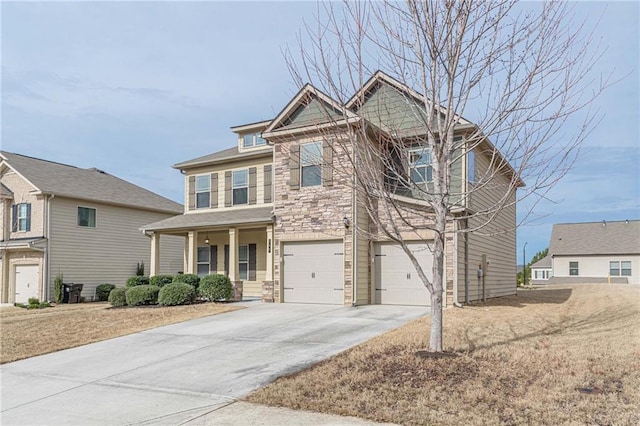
{"points": [[87, 184], [594, 238], [221, 156], [545, 262], [5, 192], [215, 218]]}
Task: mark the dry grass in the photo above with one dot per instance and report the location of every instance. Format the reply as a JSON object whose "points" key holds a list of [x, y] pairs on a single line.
{"points": [[26, 333], [517, 360]]}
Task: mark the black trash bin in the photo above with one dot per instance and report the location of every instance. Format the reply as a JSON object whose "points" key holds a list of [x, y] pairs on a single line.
{"points": [[72, 293]]}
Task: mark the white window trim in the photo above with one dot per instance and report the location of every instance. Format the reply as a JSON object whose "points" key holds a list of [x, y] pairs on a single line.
{"points": [[413, 166], [246, 278], [255, 139], [208, 262], [317, 164], [24, 218], [95, 225], [234, 187], [577, 268], [208, 178]]}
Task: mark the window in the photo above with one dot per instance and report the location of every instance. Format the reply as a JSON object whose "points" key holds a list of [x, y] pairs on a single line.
{"points": [[573, 268], [203, 261], [471, 167], [240, 187], [203, 194], [311, 163], [243, 262], [23, 213], [420, 165], [252, 139], [620, 268], [87, 217]]}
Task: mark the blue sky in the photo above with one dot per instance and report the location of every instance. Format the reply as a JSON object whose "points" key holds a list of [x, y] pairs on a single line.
{"points": [[134, 87]]}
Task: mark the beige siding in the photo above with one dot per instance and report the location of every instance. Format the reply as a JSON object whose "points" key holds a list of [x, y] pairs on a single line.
{"points": [[362, 257], [109, 252], [221, 169], [21, 257], [496, 241], [596, 266], [21, 194]]}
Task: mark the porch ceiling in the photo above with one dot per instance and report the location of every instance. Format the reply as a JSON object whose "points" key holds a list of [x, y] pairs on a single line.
{"points": [[191, 221]]}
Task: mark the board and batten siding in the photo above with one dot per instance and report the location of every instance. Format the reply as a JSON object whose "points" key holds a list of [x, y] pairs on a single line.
{"points": [[258, 163], [497, 241], [108, 253]]}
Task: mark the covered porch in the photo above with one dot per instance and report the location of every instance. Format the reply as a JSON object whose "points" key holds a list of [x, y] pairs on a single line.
{"points": [[236, 243]]}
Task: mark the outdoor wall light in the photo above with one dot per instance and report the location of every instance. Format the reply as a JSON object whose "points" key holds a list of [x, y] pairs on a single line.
{"points": [[206, 240], [346, 221]]}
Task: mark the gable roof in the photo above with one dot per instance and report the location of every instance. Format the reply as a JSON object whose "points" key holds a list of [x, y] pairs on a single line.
{"points": [[595, 238], [63, 180], [545, 262], [223, 156]]}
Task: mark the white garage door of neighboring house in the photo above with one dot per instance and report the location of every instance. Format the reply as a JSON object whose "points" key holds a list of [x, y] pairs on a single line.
{"points": [[313, 272], [396, 279], [27, 279]]}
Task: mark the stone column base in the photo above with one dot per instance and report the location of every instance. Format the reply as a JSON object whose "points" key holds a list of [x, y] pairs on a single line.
{"points": [[237, 291], [267, 291]]}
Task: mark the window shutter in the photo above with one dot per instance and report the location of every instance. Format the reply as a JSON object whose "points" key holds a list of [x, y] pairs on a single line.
{"points": [[213, 199], [28, 217], [267, 183], [253, 183], [213, 259], [192, 192], [226, 259], [294, 167], [14, 218], [252, 262], [327, 164], [228, 185]]}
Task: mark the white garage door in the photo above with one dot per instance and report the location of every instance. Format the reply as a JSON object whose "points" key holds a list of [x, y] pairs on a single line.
{"points": [[397, 282], [27, 279], [314, 272]]}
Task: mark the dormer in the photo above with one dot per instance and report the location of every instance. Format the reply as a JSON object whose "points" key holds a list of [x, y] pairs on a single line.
{"points": [[250, 136]]}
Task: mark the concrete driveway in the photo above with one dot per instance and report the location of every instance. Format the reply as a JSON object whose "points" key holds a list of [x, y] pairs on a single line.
{"points": [[185, 372]]}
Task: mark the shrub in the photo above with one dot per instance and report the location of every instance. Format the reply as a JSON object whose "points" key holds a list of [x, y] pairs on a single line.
{"points": [[138, 280], [140, 269], [117, 297], [58, 288], [33, 301], [142, 295], [161, 280], [192, 279], [103, 290], [176, 294], [216, 287]]}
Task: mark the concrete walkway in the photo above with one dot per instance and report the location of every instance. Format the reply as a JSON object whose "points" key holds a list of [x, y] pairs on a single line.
{"points": [[192, 372]]}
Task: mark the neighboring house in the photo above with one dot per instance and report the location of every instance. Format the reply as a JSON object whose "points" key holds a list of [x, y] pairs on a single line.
{"points": [[541, 271], [82, 223], [278, 212], [595, 252]]}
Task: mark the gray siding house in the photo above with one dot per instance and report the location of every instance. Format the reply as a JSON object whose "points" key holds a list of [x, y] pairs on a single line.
{"points": [[595, 252], [81, 223], [279, 214]]}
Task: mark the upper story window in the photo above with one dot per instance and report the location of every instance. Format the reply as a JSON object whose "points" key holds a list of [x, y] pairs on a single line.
{"points": [[240, 187], [21, 217], [471, 167], [252, 139], [203, 194], [420, 168], [87, 217], [311, 163], [573, 268]]}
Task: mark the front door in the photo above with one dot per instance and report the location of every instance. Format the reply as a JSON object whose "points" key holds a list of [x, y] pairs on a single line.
{"points": [[27, 280]]}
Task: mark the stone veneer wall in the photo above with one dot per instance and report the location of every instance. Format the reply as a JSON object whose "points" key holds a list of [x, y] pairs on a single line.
{"points": [[312, 213]]}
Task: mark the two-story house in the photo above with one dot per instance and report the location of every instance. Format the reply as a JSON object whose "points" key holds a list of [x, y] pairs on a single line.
{"points": [[281, 214], [81, 223]]}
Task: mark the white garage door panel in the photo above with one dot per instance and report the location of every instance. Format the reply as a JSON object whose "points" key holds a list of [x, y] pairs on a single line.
{"points": [[397, 282], [27, 279], [314, 272]]}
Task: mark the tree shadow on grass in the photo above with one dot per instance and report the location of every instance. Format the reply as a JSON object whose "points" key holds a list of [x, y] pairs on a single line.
{"points": [[528, 297]]}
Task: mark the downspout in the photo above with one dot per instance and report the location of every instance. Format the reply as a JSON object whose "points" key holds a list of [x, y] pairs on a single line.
{"points": [[354, 239], [47, 259], [466, 261]]}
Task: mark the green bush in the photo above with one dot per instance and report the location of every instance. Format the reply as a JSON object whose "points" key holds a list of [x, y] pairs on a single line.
{"points": [[58, 288], [161, 280], [138, 280], [140, 269], [103, 290], [216, 287], [117, 297], [192, 279], [33, 301], [142, 295], [176, 294]]}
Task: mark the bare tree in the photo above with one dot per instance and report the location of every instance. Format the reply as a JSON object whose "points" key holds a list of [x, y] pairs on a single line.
{"points": [[522, 76]]}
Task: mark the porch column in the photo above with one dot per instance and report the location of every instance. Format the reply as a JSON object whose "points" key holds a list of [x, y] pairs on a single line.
{"points": [[192, 249], [154, 268], [269, 271], [233, 254]]}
